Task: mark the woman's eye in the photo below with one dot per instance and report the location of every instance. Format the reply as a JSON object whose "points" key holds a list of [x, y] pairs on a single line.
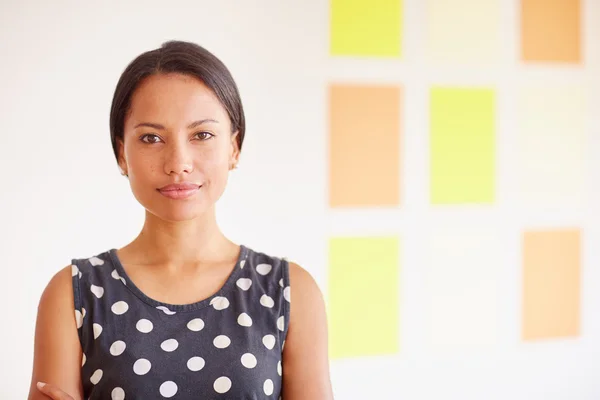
{"points": [[204, 135], [151, 138]]}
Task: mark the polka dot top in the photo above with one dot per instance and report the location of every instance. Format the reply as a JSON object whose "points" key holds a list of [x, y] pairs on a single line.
{"points": [[228, 346]]}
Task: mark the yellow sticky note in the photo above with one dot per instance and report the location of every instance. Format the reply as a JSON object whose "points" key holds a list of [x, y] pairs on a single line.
{"points": [[364, 146], [551, 152], [551, 284], [363, 300], [365, 28], [462, 143], [464, 31], [463, 298]]}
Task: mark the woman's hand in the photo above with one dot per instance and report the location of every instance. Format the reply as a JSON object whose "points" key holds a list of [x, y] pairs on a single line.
{"points": [[53, 392]]}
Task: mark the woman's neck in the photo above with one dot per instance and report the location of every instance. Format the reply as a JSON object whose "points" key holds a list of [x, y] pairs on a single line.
{"points": [[186, 243]]}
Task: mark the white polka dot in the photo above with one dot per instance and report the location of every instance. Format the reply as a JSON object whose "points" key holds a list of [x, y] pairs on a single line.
{"points": [[83, 360], [244, 283], [166, 310], [196, 325], [280, 324], [287, 294], [268, 387], [117, 394], [168, 389], [144, 326], [244, 320], [97, 330], [222, 342], [169, 345], [242, 264], [96, 376], [115, 274], [123, 280], [263, 269], [248, 360], [196, 363], [269, 341], [219, 303], [95, 261], [117, 348], [222, 385], [142, 366], [267, 301], [79, 274], [282, 345], [78, 318], [97, 290], [74, 270], [281, 282], [279, 368], [82, 312], [120, 307]]}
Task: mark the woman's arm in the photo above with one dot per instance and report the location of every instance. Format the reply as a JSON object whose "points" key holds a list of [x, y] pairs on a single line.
{"points": [[305, 354], [57, 352]]}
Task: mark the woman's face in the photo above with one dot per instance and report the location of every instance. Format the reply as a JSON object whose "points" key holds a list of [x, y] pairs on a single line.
{"points": [[177, 132]]}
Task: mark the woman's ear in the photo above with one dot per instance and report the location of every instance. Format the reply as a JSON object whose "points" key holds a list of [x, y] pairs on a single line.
{"points": [[234, 156], [121, 158]]}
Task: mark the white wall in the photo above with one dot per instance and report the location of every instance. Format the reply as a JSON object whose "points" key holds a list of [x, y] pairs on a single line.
{"points": [[63, 197]]}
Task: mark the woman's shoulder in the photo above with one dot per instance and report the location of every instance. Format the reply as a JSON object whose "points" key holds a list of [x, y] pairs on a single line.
{"points": [[251, 254], [92, 259], [291, 271], [57, 354], [94, 265], [55, 288]]}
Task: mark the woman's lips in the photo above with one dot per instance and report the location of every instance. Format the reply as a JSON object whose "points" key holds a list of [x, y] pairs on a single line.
{"points": [[179, 190]]}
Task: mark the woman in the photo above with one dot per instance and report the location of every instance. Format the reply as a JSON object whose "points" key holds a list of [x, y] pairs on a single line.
{"points": [[181, 312]]}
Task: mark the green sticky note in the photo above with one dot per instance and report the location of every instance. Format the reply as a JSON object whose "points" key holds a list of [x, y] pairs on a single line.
{"points": [[365, 28], [462, 145], [363, 296]]}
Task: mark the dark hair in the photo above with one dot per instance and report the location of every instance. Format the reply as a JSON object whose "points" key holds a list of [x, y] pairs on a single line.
{"points": [[183, 58]]}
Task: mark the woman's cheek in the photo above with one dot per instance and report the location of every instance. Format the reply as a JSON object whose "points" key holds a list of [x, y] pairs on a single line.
{"points": [[216, 173]]}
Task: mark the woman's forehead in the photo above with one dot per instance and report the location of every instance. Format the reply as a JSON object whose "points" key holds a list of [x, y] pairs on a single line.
{"points": [[174, 99]]}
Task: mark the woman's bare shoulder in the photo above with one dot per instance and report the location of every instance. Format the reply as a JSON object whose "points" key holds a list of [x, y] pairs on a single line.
{"points": [[57, 350]]}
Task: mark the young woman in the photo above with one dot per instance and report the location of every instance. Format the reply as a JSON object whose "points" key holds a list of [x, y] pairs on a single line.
{"points": [[181, 312]]}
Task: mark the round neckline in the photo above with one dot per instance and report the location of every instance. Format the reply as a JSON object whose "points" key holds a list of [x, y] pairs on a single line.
{"points": [[229, 283]]}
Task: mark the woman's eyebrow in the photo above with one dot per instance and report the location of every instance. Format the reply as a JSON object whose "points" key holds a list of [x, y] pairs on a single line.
{"points": [[190, 126], [200, 122]]}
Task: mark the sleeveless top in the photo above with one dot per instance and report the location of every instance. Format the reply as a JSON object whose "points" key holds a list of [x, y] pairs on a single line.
{"points": [[228, 346]]}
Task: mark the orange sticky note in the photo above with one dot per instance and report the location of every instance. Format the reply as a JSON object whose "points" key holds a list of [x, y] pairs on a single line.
{"points": [[551, 30], [364, 145], [551, 284]]}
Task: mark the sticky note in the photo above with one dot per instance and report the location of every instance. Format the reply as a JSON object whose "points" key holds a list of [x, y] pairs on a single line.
{"points": [[551, 145], [364, 146], [463, 297], [363, 296], [370, 28], [551, 30], [462, 144], [551, 284], [463, 31]]}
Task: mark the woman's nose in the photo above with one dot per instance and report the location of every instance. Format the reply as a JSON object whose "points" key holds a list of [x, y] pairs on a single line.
{"points": [[179, 160]]}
